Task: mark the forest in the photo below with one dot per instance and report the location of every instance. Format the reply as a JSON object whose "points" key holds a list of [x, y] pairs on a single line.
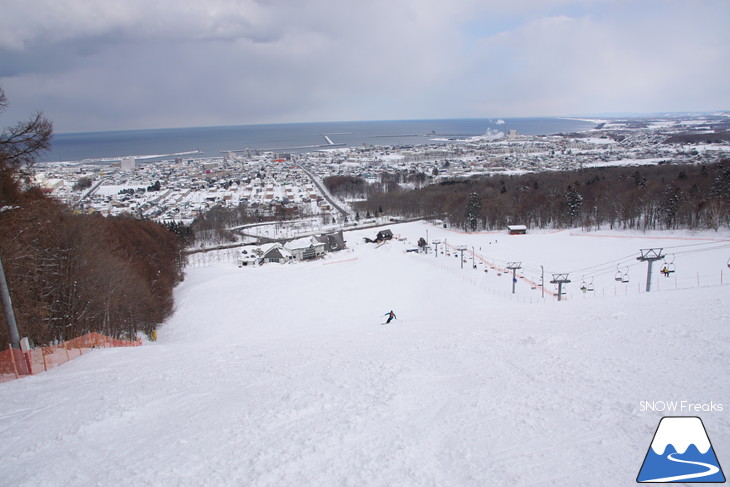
{"points": [[70, 274], [664, 196]]}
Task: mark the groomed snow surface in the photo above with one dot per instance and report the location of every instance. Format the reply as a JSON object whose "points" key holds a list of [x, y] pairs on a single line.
{"points": [[284, 375]]}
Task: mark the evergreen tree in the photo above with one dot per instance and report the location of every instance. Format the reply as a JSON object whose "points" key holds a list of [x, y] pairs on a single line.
{"points": [[671, 201], [473, 211], [574, 203]]}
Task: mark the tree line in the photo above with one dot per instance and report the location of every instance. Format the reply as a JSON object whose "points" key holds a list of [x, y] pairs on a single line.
{"points": [[357, 187], [665, 196], [70, 274]]}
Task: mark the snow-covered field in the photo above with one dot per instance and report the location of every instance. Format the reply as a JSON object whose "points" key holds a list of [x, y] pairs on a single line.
{"points": [[284, 375]]}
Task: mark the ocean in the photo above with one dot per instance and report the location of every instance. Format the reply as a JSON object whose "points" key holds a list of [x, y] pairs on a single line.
{"points": [[290, 137]]}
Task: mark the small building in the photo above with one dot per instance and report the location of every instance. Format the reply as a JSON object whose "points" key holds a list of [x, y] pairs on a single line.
{"points": [[516, 229], [381, 237], [332, 241], [277, 254], [251, 255], [306, 248]]}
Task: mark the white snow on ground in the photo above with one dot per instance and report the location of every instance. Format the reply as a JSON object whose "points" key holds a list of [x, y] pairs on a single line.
{"points": [[284, 375], [649, 161]]}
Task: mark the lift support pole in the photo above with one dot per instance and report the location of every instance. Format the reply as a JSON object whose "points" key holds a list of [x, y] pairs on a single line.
{"points": [[513, 266], [649, 256], [560, 279], [461, 249], [8, 308]]}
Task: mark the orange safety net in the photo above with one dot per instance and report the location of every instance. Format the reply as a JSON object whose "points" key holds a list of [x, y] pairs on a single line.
{"points": [[15, 363], [494, 266]]}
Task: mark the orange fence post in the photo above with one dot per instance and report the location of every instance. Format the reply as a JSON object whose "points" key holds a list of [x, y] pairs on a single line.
{"points": [[12, 359], [28, 361]]}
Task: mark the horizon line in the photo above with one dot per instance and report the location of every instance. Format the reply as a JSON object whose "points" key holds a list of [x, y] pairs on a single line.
{"points": [[587, 118]]}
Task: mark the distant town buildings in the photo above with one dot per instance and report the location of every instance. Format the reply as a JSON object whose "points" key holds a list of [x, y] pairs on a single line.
{"points": [[277, 185]]}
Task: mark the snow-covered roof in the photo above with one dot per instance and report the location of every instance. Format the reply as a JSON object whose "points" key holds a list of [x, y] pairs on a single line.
{"points": [[303, 243]]}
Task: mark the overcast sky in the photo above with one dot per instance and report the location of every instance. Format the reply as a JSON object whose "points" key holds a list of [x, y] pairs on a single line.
{"points": [[128, 64]]}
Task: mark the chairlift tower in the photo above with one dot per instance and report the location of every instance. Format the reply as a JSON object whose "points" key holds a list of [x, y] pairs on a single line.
{"points": [[436, 243], [542, 281], [650, 256], [461, 249], [560, 279], [513, 266]]}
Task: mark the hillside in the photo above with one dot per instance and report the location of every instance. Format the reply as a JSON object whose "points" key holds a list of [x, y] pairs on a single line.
{"points": [[283, 375]]}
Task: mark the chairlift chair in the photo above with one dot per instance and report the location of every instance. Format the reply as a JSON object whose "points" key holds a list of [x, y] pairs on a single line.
{"points": [[668, 267], [622, 275], [587, 284]]}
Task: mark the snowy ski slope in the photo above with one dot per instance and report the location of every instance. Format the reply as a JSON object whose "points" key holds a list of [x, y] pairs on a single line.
{"points": [[284, 375]]}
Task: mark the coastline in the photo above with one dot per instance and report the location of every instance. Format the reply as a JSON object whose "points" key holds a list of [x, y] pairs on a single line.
{"points": [[295, 138]]}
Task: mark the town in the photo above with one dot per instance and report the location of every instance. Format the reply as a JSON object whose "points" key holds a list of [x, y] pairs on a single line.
{"points": [[289, 185]]}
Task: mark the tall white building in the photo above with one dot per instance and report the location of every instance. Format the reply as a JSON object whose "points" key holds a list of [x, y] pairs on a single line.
{"points": [[128, 164]]}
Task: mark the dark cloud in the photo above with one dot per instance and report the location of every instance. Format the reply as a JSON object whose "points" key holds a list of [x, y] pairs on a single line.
{"points": [[138, 64]]}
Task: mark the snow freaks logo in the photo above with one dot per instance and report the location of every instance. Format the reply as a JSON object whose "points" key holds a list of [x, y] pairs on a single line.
{"points": [[680, 407], [680, 452]]}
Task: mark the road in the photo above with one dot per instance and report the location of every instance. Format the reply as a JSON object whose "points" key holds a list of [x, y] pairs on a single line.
{"points": [[324, 193]]}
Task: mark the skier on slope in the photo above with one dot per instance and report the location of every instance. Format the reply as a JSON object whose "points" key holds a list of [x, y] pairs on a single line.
{"points": [[390, 316]]}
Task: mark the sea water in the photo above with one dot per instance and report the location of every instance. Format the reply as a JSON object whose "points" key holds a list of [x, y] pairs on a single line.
{"points": [[291, 137]]}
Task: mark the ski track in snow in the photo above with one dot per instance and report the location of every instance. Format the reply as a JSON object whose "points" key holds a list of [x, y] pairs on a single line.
{"points": [[282, 376]]}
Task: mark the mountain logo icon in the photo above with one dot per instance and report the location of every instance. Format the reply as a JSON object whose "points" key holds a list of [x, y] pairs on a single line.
{"points": [[680, 452]]}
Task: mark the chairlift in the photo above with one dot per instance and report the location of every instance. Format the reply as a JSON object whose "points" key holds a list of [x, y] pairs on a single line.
{"points": [[622, 275], [587, 284], [668, 267]]}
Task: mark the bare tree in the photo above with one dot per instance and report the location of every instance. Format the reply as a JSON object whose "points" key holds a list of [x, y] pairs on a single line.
{"points": [[23, 142]]}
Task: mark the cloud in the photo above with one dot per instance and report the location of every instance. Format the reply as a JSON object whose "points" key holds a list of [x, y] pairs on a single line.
{"points": [[27, 23], [138, 64], [619, 61]]}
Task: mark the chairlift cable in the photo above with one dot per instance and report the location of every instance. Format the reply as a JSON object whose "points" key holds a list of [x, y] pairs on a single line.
{"points": [[722, 242]]}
